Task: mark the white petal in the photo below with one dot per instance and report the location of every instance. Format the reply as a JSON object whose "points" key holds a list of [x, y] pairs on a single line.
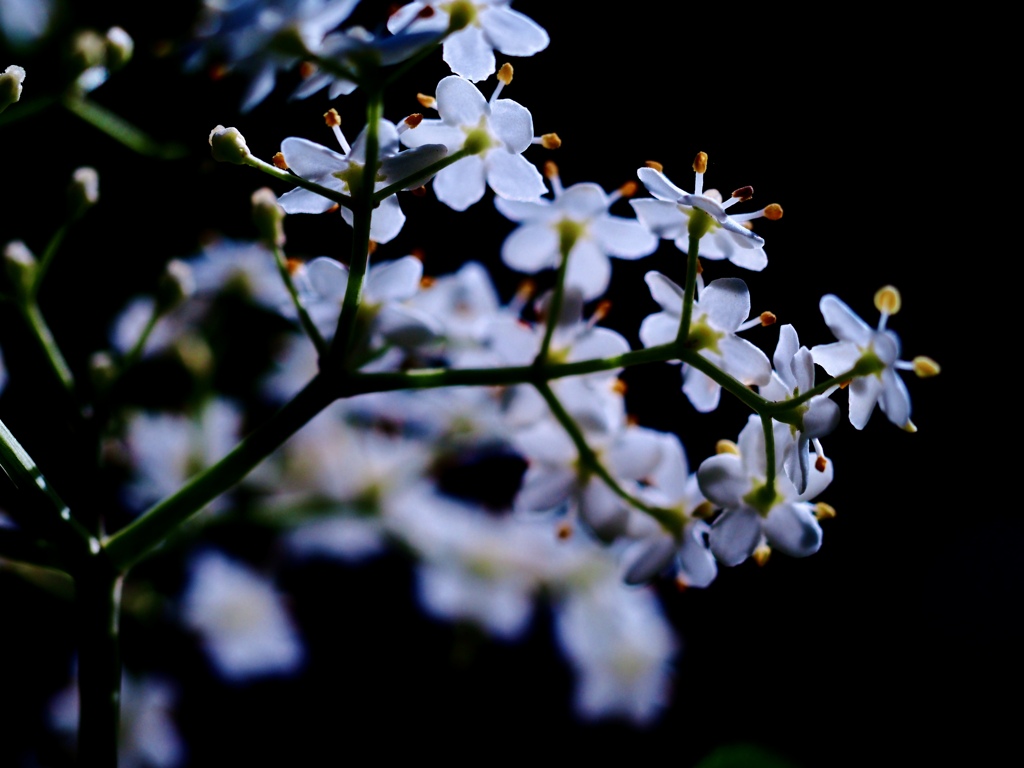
{"points": [[635, 454], [649, 558], [659, 185], [597, 343], [461, 184], [511, 32], [311, 160], [792, 529], [734, 535], [513, 176], [435, 132], [697, 565], [531, 248], [469, 54], [534, 211], [386, 221], [659, 328], [603, 510], [406, 327], [895, 399], [408, 164], [726, 302], [544, 488], [837, 357], [589, 269], [394, 280], [329, 278], [844, 322], [702, 391], [459, 102], [663, 219], [745, 361], [723, 480], [624, 238], [301, 200], [864, 394], [665, 292], [513, 124]]}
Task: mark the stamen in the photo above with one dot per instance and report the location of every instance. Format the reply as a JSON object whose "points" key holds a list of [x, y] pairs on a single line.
{"points": [[824, 511], [761, 553], [279, 161], [925, 367], [727, 446], [772, 212], [410, 122], [426, 101], [700, 166], [504, 78], [548, 141], [655, 165], [888, 302], [768, 318], [333, 120]]}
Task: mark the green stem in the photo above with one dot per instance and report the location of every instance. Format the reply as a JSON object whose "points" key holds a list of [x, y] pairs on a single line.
{"points": [[304, 319], [690, 286], [98, 602], [44, 337], [133, 355], [133, 542], [426, 173], [121, 130], [44, 262], [767, 425], [362, 214], [554, 311], [669, 519], [296, 180]]}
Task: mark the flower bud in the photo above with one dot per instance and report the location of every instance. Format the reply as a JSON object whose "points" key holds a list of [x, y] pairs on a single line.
{"points": [[228, 145], [10, 85], [176, 284], [20, 264], [88, 50], [84, 190], [102, 370], [268, 216], [120, 47]]}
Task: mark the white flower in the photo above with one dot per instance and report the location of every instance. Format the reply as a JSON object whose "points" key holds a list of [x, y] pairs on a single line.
{"points": [[876, 349], [578, 217], [490, 25], [670, 214], [719, 312], [755, 515], [343, 172], [243, 33], [498, 131], [386, 288], [241, 619], [793, 375]]}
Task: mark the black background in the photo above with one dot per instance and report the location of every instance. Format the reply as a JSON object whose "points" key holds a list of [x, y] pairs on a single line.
{"points": [[895, 642]]}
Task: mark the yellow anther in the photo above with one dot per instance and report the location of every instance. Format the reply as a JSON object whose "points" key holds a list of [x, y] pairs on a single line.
{"points": [[887, 300], [293, 265], [628, 189], [821, 463], [681, 583], [550, 141], [761, 554], [700, 162], [910, 427], [332, 118], [703, 511], [768, 318], [772, 212], [427, 102], [279, 161], [505, 73], [925, 367], [727, 446], [619, 387], [743, 193], [414, 119], [564, 530], [824, 511], [550, 170], [655, 165], [601, 311]]}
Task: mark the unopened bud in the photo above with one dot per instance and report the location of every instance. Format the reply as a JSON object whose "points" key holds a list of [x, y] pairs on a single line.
{"points": [[88, 49], [887, 300], [268, 216], [84, 191], [228, 145], [700, 163], [10, 85], [176, 284], [20, 264], [120, 47], [195, 354], [550, 141], [102, 370], [925, 367]]}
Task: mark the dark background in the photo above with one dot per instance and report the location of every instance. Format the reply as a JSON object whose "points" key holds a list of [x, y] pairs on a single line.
{"points": [[894, 643]]}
